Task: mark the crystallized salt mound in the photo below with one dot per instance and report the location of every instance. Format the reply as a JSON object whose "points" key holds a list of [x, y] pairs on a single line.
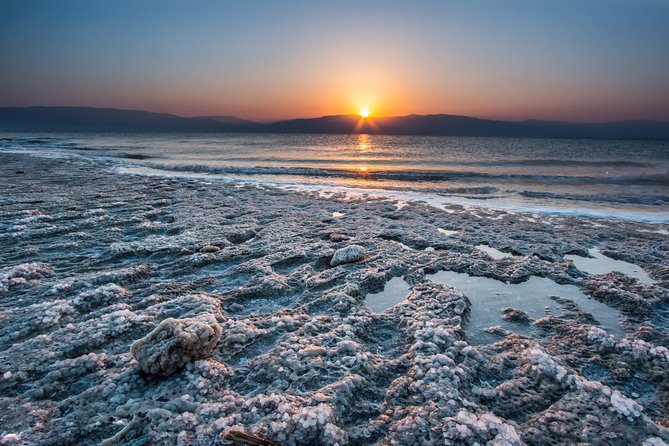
{"points": [[515, 315], [176, 342], [100, 296], [209, 249], [21, 274], [349, 254], [337, 237]]}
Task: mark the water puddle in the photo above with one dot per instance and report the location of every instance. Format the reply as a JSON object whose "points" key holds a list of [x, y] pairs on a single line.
{"points": [[601, 264], [488, 296], [395, 291], [494, 253]]}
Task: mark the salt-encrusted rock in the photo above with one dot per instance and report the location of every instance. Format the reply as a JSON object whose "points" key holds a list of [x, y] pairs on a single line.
{"points": [[349, 254], [337, 237], [515, 315], [176, 342]]}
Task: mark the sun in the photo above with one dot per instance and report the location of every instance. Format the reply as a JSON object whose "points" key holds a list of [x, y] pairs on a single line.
{"points": [[364, 112]]}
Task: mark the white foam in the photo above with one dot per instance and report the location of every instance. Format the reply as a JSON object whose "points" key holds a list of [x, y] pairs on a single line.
{"points": [[432, 199]]}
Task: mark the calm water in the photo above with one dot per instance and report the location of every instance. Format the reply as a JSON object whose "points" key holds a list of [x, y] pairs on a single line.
{"points": [[625, 179]]}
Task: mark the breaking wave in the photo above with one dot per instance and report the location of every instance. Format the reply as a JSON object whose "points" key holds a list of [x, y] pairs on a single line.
{"points": [[654, 179]]}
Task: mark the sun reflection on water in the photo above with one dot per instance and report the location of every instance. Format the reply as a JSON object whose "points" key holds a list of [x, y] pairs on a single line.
{"points": [[364, 142]]}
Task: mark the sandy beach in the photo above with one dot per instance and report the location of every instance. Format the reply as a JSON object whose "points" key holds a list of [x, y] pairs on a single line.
{"points": [[248, 309]]}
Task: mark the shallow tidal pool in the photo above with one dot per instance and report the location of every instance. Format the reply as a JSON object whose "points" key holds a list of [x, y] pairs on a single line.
{"points": [[598, 263], [488, 296], [394, 292]]}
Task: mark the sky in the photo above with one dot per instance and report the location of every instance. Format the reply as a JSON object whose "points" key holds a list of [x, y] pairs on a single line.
{"points": [[577, 60]]}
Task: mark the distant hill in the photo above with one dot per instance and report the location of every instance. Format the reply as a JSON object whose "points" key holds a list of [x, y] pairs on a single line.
{"points": [[453, 125], [228, 120], [86, 119], [446, 125]]}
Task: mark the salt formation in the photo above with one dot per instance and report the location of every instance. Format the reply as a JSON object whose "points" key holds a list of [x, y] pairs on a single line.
{"points": [[174, 343], [100, 296], [515, 315], [336, 237], [238, 322], [22, 275], [349, 254]]}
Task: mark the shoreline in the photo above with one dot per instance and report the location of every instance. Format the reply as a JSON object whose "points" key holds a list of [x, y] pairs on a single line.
{"points": [[434, 199], [94, 261], [519, 177]]}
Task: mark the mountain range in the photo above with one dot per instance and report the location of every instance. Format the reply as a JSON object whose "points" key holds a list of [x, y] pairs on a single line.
{"points": [[88, 119]]}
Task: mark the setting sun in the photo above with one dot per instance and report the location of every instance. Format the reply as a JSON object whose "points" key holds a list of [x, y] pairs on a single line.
{"points": [[364, 112]]}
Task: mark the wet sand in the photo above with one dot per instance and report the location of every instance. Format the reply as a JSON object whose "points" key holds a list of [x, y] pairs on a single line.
{"points": [[240, 319]]}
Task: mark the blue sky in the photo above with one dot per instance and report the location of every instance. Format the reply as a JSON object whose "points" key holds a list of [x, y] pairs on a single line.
{"points": [[585, 60]]}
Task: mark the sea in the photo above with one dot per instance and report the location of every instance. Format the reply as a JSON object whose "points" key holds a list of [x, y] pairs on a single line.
{"points": [[617, 179]]}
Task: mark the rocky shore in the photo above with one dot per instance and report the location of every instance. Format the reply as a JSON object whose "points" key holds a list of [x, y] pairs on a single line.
{"points": [[153, 310]]}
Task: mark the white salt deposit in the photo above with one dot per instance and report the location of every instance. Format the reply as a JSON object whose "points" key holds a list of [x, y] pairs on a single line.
{"points": [[175, 342], [448, 232], [488, 296], [348, 254], [337, 214], [494, 253], [444, 202], [299, 361], [658, 231], [601, 264], [400, 204], [395, 291]]}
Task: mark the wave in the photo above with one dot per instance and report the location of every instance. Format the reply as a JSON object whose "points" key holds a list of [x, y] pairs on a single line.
{"points": [[505, 201], [646, 179], [653, 200], [385, 155], [394, 159], [563, 163]]}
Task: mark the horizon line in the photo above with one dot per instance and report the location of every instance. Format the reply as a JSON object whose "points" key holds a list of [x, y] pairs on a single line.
{"points": [[371, 117]]}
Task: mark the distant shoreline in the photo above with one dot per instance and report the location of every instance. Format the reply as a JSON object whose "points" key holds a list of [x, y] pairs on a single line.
{"points": [[106, 120]]}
